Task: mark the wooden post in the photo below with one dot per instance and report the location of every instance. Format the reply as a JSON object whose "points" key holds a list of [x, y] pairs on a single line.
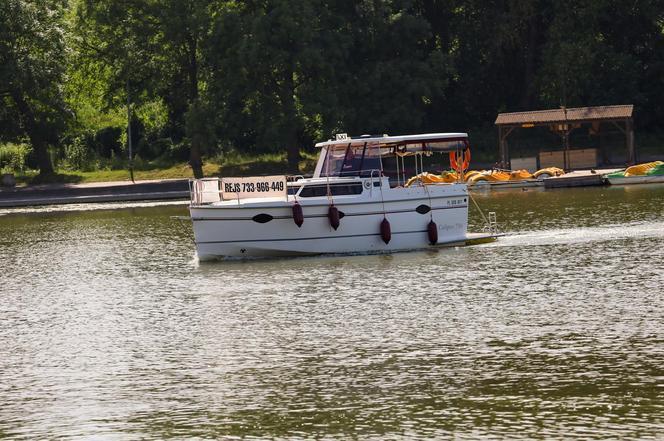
{"points": [[501, 146], [629, 133], [503, 133], [566, 162]]}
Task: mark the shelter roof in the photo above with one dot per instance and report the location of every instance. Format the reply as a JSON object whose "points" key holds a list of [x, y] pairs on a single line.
{"points": [[575, 114]]}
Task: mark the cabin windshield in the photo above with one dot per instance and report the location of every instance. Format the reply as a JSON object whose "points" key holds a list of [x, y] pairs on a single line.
{"points": [[352, 160]]}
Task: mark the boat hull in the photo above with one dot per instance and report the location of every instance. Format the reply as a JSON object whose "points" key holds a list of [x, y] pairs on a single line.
{"points": [[251, 229], [629, 180]]}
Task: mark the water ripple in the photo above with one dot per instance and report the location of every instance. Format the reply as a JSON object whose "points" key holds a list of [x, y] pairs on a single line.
{"points": [[110, 329]]}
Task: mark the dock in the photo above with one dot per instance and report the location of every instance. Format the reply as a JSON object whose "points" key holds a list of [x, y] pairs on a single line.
{"points": [[497, 185], [579, 178]]}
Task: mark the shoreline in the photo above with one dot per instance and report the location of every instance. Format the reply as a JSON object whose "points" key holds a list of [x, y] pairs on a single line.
{"points": [[118, 191]]}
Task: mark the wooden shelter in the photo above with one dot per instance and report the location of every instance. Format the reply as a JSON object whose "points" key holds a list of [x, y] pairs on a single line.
{"points": [[563, 121]]}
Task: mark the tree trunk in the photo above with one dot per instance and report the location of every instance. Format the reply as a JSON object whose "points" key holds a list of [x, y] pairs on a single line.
{"points": [[195, 160], [290, 123], [294, 157], [43, 158], [35, 133]]}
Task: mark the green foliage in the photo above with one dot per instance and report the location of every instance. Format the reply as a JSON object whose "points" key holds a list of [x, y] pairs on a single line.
{"points": [[78, 155], [32, 64], [153, 116], [209, 77], [199, 127], [13, 157]]}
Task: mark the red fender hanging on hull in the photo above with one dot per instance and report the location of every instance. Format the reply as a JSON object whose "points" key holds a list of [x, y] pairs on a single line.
{"points": [[298, 215], [385, 231], [432, 231], [333, 216]]}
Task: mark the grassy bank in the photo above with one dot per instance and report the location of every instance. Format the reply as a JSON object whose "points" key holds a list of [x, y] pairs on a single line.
{"points": [[232, 164]]}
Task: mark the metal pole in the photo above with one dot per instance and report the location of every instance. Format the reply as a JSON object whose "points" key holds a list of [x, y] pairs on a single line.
{"points": [[629, 130], [129, 149], [566, 164]]}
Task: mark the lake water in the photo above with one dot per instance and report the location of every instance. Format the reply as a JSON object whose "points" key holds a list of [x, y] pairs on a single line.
{"points": [[110, 329]]}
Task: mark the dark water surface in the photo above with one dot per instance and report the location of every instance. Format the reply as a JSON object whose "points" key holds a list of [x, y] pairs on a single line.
{"points": [[110, 329]]}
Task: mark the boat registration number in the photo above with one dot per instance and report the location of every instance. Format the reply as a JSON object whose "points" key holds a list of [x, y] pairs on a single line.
{"points": [[254, 187]]}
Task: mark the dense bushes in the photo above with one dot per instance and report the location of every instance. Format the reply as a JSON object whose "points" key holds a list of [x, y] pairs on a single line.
{"points": [[278, 75], [13, 157]]}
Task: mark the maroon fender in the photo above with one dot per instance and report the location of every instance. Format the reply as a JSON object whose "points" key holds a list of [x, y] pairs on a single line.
{"points": [[333, 216], [385, 231], [432, 231], [298, 215]]}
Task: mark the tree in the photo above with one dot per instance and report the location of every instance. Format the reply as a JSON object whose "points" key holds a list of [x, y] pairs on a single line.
{"points": [[594, 56], [153, 50], [289, 72], [32, 63], [262, 56], [392, 72]]}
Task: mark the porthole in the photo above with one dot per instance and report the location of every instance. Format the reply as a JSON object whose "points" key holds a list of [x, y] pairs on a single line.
{"points": [[262, 218]]}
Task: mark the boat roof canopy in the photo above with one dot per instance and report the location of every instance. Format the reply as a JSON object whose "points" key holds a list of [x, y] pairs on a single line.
{"points": [[432, 142]]}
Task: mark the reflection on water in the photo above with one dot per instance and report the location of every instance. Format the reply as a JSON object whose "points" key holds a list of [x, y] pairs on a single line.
{"points": [[110, 328]]}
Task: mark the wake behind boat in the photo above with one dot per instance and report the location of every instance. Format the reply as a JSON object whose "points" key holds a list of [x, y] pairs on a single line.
{"points": [[354, 203]]}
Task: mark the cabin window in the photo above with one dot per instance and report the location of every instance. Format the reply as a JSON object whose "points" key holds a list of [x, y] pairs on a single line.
{"points": [[351, 160], [311, 191], [371, 160], [343, 160]]}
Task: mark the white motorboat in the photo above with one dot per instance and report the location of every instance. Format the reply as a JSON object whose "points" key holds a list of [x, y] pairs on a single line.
{"points": [[352, 204]]}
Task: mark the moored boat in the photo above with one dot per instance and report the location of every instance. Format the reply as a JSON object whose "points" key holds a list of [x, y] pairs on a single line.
{"points": [[646, 173], [498, 178], [353, 203]]}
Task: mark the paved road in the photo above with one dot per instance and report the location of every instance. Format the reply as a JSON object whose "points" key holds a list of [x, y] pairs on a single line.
{"points": [[48, 194]]}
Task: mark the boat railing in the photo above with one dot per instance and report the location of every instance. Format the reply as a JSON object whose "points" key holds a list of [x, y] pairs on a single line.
{"points": [[208, 190], [204, 191], [491, 226], [377, 173]]}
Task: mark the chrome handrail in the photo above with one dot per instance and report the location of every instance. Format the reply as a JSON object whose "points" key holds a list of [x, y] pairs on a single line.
{"points": [[371, 176], [197, 190]]}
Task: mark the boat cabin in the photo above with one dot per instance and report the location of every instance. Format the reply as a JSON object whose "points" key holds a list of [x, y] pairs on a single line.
{"points": [[368, 155], [348, 166]]}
